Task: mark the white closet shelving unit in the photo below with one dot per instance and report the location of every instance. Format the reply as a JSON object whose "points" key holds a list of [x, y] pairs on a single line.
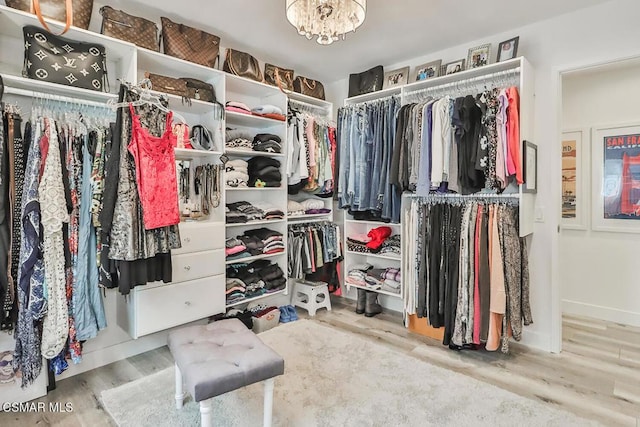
{"points": [[517, 71], [324, 110], [253, 94]]}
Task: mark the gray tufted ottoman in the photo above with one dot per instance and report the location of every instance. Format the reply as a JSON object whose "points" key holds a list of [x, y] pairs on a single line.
{"points": [[220, 357]]}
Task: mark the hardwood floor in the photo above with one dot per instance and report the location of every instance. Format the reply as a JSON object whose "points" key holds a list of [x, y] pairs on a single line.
{"points": [[597, 375]]}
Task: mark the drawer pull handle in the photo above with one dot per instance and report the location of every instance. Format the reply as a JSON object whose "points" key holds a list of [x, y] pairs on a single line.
{"points": [[187, 267], [187, 239], [187, 303]]}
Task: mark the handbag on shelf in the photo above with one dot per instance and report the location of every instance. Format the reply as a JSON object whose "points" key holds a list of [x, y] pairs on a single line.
{"points": [[280, 77], [201, 138], [189, 43], [167, 84], [308, 87], [197, 89], [56, 59], [242, 64], [71, 12], [132, 29], [366, 82]]}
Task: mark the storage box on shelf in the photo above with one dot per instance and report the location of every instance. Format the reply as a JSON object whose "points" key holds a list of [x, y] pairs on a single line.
{"points": [[354, 227]]}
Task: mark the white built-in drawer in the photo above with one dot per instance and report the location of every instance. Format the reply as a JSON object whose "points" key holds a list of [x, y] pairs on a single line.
{"points": [[197, 265], [171, 305], [200, 236]]}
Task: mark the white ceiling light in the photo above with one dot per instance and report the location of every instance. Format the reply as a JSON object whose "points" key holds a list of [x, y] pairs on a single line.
{"points": [[327, 19]]}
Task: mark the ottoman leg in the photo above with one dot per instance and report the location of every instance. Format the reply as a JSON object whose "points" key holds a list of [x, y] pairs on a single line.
{"points": [[206, 413], [268, 402], [179, 388]]}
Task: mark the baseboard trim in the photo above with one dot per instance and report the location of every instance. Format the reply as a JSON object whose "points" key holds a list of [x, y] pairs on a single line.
{"points": [[599, 312]]}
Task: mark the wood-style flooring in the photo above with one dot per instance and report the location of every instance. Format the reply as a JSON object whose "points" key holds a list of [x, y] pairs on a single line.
{"points": [[597, 375]]}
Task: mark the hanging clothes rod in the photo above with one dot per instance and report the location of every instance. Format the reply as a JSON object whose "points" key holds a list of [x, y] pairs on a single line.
{"points": [[308, 105], [474, 196], [374, 101], [56, 98], [497, 77]]}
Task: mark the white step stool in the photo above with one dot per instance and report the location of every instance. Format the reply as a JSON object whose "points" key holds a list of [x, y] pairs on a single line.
{"points": [[311, 296]]}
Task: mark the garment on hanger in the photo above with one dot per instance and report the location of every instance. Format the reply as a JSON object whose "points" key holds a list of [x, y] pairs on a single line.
{"points": [[314, 252], [469, 273], [367, 140], [311, 153]]}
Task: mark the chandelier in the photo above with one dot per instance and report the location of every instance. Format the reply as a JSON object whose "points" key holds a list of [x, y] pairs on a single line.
{"points": [[329, 20]]}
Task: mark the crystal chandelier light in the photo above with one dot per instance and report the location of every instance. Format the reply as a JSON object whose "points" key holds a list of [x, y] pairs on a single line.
{"points": [[329, 20]]}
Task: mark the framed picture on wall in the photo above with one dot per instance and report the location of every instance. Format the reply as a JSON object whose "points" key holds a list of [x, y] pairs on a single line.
{"points": [[427, 71], [574, 193], [530, 170], [615, 172], [397, 77]]}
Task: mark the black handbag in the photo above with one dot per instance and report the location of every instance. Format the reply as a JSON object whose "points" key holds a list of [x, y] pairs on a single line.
{"points": [[56, 59], [366, 82]]}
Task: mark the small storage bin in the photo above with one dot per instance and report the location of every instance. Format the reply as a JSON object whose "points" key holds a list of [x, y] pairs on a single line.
{"points": [[266, 322]]}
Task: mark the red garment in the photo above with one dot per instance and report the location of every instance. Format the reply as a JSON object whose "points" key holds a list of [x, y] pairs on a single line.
{"points": [[378, 236], [514, 163], [155, 173], [629, 204], [272, 116]]}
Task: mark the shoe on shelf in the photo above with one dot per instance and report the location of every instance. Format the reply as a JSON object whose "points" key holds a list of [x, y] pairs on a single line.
{"points": [[285, 316], [293, 314]]}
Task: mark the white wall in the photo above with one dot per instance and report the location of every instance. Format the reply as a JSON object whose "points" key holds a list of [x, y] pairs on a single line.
{"points": [[598, 269], [598, 34]]}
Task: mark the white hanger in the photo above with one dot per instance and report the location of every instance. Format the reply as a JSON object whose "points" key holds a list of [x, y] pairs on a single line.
{"points": [[145, 98]]}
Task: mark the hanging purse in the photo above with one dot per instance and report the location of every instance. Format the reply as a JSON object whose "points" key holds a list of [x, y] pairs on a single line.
{"points": [[190, 43], [56, 59], [132, 29], [366, 82], [242, 64], [276, 76], [73, 12], [308, 87], [201, 138]]}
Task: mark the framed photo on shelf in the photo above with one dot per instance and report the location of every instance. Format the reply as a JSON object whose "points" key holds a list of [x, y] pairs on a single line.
{"points": [[427, 71], [397, 77], [478, 56], [574, 191], [452, 67], [615, 171], [508, 49], [530, 167]]}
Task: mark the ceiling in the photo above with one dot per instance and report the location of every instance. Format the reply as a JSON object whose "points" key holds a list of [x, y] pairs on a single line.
{"points": [[392, 32]]}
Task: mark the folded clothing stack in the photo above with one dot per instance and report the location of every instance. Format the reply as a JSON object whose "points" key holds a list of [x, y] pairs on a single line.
{"points": [[262, 310], [236, 290], [269, 111], [239, 140], [258, 278], [364, 275], [236, 173], [391, 245], [371, 243], [271, 240], [267, 142], [270, 211], [241, 212], [314, 206], [237, 107], [294, 208], [264, 172]]}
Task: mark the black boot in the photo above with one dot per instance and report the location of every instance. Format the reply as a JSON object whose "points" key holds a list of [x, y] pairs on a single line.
{"points": [[362, 299], [372, 307]]}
